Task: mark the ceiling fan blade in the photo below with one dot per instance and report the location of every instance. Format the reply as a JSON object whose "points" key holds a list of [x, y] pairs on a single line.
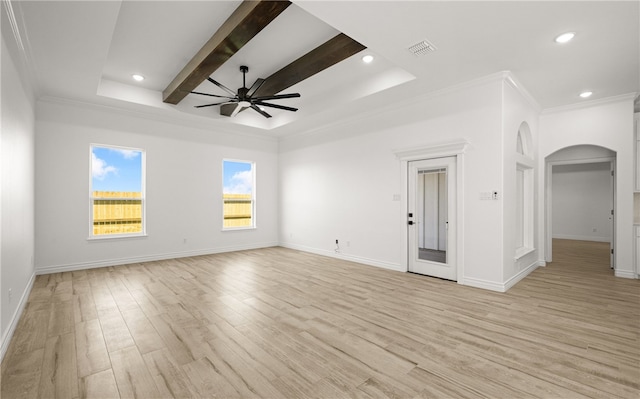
{"points": [[276, 106], [211, 95], [223, 87], [277, 97], [258, 110], [255, 87], [211, 105]]}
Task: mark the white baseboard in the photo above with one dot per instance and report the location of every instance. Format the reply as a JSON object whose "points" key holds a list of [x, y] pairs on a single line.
{"points": [[6, 338], [484, 284], [625, 274], [340, 255], [522, 274], [147, 258], [502, 287], [582, 238]]}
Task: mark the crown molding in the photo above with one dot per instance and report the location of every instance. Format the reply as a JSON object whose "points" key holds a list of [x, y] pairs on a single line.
{"points": [[179, 119], [592, 103], [519, 87], [21, 41]]}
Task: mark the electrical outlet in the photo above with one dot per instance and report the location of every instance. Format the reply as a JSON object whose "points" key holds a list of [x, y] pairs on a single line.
{"points": [[336, 241], [10, 295], [348, 243], [184, 240]]}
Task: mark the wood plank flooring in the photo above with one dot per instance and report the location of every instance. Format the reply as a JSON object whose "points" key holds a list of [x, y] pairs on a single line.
{"points": [[277, 323]]}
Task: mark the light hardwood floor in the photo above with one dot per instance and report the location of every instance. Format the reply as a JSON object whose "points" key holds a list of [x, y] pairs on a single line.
{"points": [[277, 323]]}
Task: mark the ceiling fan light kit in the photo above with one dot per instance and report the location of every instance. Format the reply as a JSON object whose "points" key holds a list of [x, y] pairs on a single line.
{"points": [[245, 97]]}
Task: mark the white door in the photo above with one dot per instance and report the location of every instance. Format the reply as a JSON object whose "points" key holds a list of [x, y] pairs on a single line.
{"points": [[432, 217]]}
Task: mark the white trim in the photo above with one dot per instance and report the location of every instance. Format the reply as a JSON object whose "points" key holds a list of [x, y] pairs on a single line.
{"points": [[351, 258], [502, 287], [436, 150], [519, 87], [254, 219], [22, 43], [177, 118], [143, 192], [6, 338], [116, 236], [519, 276], [625, 274], [589, 104], [484, 284], [548, 196], [147, 258], [522, 251], [13, 22], [454, 148]]}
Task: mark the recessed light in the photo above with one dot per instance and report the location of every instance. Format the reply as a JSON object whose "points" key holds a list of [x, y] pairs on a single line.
{"points": [[586, 94], [367, 58], [565, 37], [137, 78]]}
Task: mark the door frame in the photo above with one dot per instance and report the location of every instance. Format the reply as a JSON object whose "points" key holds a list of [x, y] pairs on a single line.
{"points": [[549, 201], [455, 149]]}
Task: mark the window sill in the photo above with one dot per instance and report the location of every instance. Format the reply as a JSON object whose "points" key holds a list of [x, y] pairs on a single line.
{"points": [[521, 252], [116, 237], [238, 228]]}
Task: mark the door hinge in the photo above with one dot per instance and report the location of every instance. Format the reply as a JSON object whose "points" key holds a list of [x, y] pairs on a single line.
{"points": [[611, 251], [612, 212]]}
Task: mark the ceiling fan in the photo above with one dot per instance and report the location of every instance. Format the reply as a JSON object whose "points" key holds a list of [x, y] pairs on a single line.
{"points": [[244, 97]]}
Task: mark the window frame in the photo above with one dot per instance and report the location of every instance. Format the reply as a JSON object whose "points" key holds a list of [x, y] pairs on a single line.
{"points": [[143, 178], [253, 225]]}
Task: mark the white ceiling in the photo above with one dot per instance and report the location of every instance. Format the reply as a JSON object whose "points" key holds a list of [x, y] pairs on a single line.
{"points": [[88, 50]]}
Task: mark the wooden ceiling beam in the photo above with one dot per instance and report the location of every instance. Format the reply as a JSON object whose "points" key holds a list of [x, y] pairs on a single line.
{"points": [[337, 49], [245, 23]]}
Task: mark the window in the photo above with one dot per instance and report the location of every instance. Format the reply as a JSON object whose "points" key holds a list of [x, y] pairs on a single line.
{"points": [[524, 192], [238, 194], [116, 192]]}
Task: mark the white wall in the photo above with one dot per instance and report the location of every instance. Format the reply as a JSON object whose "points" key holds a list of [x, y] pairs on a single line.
{"points": [[607, 124], [582, 200], [344, 188], [16, 186], [183, 187]]}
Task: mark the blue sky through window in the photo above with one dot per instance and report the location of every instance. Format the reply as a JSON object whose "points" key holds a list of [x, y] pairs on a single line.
{"points": [[237, 177], [116, 169]]}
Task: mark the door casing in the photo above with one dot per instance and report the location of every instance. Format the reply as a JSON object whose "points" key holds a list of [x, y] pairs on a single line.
{"points": [[456, 149]]}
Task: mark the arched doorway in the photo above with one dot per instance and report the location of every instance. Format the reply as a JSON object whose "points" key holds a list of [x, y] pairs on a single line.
{"points": [[580, 196]]}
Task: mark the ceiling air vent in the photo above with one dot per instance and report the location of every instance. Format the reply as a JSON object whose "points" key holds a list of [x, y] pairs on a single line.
{"points": [[422, 48]]}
